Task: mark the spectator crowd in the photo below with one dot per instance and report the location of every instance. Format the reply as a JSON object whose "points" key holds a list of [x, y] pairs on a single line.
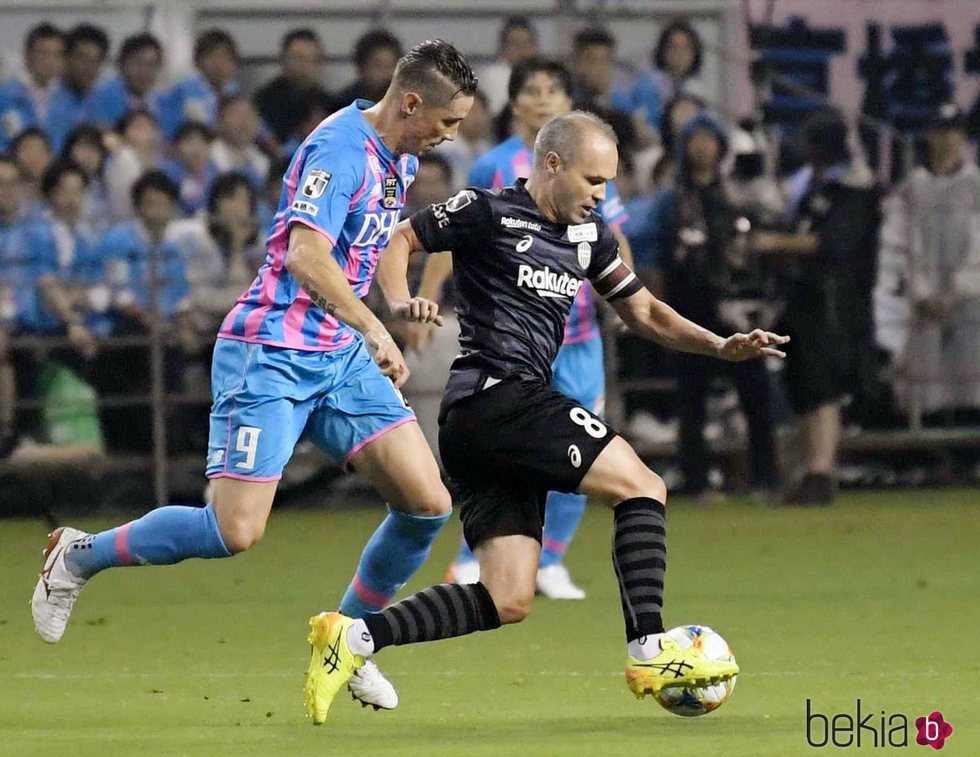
{"points": [[129, 208]]}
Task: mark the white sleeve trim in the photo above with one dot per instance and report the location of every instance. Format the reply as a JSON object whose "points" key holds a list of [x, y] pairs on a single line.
{"points": [[621, 285]]}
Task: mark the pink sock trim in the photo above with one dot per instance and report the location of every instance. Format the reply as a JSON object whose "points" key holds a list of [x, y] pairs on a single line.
{"points": [[368, 596], [122, 545]]}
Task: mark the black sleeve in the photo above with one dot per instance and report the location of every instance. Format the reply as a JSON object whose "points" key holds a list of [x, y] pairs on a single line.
{"points": [[457, 224], [610, 276]]}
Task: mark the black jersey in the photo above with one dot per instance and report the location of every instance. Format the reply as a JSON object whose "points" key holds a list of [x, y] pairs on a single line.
{"points": [[515, 276]]}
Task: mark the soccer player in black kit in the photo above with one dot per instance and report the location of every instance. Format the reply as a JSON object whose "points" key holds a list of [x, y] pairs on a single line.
{"points": [[507, 438]]}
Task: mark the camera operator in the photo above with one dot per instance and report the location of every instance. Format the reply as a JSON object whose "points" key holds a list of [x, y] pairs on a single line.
{"points": [[700, 247]]}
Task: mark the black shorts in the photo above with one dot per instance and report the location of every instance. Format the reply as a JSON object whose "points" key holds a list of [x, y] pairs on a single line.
{"points": [[506, 447]]}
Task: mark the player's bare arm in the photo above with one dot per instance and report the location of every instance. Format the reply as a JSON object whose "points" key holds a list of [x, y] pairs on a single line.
{"points": [[392, 277], [309, 260], [656, 320]]}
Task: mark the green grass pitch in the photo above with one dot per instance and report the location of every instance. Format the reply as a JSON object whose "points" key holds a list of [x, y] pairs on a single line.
{"points": [[877, 598]]}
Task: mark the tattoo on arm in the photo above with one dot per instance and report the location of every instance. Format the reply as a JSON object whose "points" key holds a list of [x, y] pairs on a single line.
{"points": [[328, 307]]}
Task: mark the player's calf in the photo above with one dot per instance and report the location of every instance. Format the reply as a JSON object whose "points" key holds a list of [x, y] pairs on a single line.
{"points": [[508, 569]]}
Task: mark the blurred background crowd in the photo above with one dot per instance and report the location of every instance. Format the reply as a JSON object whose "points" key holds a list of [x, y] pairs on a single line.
{"points": [[134, 203]]}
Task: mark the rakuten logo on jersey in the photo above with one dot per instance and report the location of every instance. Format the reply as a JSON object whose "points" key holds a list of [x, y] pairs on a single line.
{"points": [[377, 228], [546, 282]]}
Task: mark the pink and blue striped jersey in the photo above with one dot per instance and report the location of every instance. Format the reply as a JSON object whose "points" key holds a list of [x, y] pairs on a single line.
{"points": [[511, 160], [346, 184]]}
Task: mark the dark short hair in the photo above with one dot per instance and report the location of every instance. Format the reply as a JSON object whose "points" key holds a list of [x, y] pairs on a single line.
{"points": [[524, 70], [84, 133], [136, 44], [26, 134], [515, 22], [420, 66], [7, 159], [87, 33], [440, 162], [210, 40], [226, 185], [825, 133], [156, 181], [190, 128], [57, 171], [123, 123], [667, 134], [304, 34], [593, 35], [41, 31], [376, 39], [683, 26]]}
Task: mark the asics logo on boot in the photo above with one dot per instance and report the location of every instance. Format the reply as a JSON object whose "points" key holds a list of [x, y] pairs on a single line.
{"points": [[333, 658], [677, 667]]}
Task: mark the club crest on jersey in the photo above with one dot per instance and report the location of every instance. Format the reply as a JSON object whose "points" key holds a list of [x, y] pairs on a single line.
{"points": [[547, 283], [315, 184], [460, 200], [584, 251], [391, 192], [583, 232]]}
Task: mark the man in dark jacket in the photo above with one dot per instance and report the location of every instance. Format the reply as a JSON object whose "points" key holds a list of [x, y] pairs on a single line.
{"points": [[699, 241]]}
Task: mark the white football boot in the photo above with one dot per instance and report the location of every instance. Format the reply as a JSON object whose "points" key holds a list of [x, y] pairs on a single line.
{"points": [[369, 687], [554, 582], [57, 588]]}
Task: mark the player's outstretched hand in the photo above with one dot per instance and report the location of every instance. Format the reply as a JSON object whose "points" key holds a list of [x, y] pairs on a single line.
{"points": [[387, 355], [758, 343], [418, 310]]}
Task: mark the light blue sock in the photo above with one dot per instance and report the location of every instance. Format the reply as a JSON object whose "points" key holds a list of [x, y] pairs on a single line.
{"points": [[465, 554], [562, 514], [395, 551], [163, 536]]}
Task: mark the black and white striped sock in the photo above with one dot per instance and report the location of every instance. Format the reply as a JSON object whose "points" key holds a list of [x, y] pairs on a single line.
{"points": [[639, 556], [439, 612]]}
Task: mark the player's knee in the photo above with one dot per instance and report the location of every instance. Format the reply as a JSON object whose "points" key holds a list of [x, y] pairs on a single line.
{"points": [[513, 607], [640, 482], [434, 501], [240, 534]]}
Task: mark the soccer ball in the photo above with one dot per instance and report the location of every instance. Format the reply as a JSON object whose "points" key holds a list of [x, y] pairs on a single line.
{"points": [[692, 702]]}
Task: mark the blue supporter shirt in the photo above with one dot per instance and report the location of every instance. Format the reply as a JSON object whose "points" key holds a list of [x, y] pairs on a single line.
{"points": [[642, 232], [22, 267], [122, 263], [345, 183], [511, 160], [111, 100], [65, 110], [75, 258], [192, 99], [194, 190]]}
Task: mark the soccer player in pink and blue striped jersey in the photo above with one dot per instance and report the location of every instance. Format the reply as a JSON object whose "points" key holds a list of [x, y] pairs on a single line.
{"points": [[300, 354]]}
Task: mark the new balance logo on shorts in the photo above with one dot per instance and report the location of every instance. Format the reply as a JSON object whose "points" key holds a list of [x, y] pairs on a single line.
{"points": [[546, 282]]}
